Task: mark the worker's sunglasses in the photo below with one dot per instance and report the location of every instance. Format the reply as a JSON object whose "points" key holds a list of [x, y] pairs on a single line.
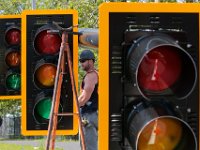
{"points": [[83, 60]]}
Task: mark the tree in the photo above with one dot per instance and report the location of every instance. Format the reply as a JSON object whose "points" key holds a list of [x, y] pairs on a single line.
{"points": [[87, 9], [11, 107]]}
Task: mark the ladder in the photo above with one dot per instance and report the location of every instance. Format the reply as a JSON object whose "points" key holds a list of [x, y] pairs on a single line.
{"points": [[64, 51]]}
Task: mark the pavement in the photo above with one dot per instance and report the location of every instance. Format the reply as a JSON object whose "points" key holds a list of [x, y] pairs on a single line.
{"points": [[66, 145]]}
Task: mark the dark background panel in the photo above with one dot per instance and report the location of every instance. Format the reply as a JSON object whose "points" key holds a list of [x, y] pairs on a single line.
{"points": [[4, 47], [34, 22], [121, 91]]}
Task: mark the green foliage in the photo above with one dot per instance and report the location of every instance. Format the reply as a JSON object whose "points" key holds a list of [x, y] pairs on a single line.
{"points": [[10, 107], [87, 11]]}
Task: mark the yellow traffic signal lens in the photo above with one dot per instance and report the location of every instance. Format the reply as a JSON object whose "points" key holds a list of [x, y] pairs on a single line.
{"points": [[160, 134], [45, 75], [155, 125], [160, 69], [13, 59], [47, 43], [13, 36]]}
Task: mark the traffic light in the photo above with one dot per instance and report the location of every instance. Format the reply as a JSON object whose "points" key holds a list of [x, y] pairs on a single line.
{"points": [[10, 57], [149, 76], [40, 57]]}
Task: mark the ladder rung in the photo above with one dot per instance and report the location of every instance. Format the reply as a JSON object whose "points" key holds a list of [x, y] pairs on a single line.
{"points": [[65, 73], [66, 114]]}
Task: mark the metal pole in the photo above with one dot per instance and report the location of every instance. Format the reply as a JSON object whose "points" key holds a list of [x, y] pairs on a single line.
{"points": [[180, 1], [143, 1], [33, 4]]}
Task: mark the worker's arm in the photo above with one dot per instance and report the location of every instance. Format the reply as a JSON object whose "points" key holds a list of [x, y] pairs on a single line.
{"points": [[89, 85]]}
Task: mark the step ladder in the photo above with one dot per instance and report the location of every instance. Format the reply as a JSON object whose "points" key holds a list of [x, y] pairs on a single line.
{"points": [[64, 51]]}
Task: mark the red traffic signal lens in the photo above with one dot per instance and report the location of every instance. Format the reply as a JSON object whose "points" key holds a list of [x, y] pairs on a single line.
{"points": [[159, 69], [13, 36], [161, 134], [157, 65], [13, 59], [45, 75], [47, 43]]}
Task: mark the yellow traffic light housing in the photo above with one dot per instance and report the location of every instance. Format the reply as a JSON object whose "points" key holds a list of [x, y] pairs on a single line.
{"points": [[10, 57], [40, 51], [149, 76]]}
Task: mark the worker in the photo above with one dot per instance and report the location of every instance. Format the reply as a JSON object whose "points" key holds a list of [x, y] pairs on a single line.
{"points": [[88, 99]]}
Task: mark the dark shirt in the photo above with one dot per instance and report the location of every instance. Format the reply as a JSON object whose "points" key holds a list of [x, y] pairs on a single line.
{"points": [[92, 104]]}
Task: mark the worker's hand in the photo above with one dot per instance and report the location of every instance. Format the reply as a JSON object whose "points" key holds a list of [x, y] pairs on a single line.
{"points": [[84, 122]]}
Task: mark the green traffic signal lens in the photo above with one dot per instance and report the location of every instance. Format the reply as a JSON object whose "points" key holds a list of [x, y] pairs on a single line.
{"points": [[13, 81], [43, 108]]}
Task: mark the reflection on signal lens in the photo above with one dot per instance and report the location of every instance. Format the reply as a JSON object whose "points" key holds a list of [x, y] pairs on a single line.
{"points": [[13, 81], [47, 43], [160, 69], [13, 36], [161, 134], [13, 59], [43, 108], [45, 75]]}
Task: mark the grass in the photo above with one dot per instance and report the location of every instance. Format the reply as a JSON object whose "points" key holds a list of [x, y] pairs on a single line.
{"points": [[5, 146]]}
